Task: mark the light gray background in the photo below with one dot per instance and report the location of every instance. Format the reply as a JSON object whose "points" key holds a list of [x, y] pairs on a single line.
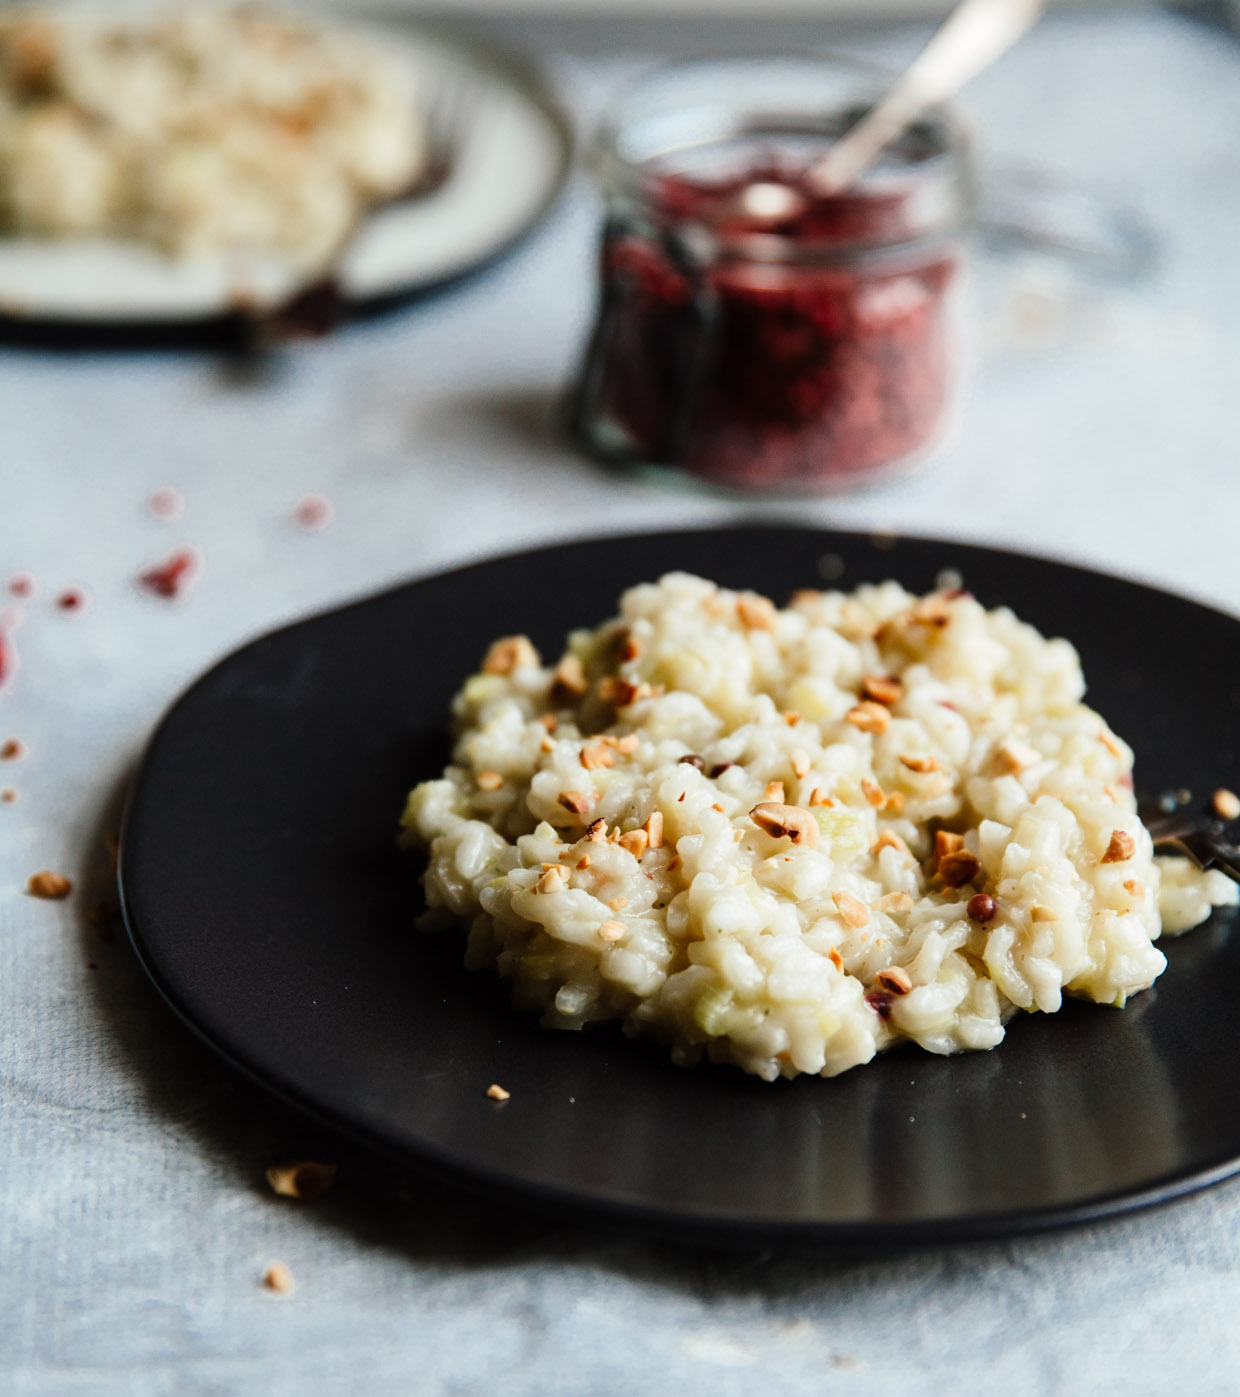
{"points": [[134, 1221]]}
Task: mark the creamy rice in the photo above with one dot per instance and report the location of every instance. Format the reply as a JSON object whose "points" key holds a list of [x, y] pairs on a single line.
{"points": [[792, 838], [199, 130]]}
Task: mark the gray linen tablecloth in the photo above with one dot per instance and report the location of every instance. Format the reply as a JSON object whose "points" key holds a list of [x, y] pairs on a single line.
{"points": [[135, 1224]]}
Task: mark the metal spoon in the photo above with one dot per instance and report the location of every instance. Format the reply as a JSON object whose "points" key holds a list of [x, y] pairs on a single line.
{"points": [[972, 37]]}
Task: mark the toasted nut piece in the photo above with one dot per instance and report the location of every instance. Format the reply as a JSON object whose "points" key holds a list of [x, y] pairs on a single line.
{"points": [[873, 792], [836, 959], [635, 841], [510, 653], [8, 795], [306, 1180], [1014, 756], [869, 716], [549, 721], [583, 862], [618, 903], [756, 612], [959, 868], [12, 749], [626, 693], [882, 688], [894, 802], [552, 880], [894, 902], [852, 910], [630, 650], [279, 1278], [1226, 804], [801, 763], [806, 596], [597, 754], [654, 829], [888, 840], [982, 907], [546, 744], [628, 744], [945, 842], [774, 791], [574, 801], [568, 680], [498, 1093], [919, 763], [611, 931], [1135, 888], [786, 822], [1040, 913], [489, 780], [819, 796], [1121, 847], [894, 980], [596, 830], [49, 885]]}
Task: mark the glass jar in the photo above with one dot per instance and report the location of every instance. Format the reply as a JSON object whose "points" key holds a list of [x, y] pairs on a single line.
{"points": [[751, 331]]}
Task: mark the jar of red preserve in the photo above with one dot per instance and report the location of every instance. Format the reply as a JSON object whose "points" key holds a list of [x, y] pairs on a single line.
{"points": [[752, 330]]}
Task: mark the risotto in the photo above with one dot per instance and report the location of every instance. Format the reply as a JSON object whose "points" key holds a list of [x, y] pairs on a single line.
{"points": [[789, 839], [199, 130]]}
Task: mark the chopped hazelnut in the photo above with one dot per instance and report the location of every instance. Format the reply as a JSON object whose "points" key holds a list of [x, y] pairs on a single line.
{"points": [[49, 885], [510, 653], [894, 802], [882, 688], [945, 842], [552, 880], [583, 862], [836, 959], [819, 796], [498, 1093], [574, 801], [279, 1278], [597, 754], [12, 749], [1039, 912], [756, 612], [786, 821], [888, 840], [8, 795], [596, 830], [869, 716], [919, 763], [635, 841], [568, 679], [611, 931], [1226, 804], [1013, 757], [801, 763], [489, 780], [894, 980], [873, 792], [628, 744], [307, 1179], [1134, 888], [546, 744], [853, 912], [654, 829], [1121, 847], [774, 791], [894, 902], [630, 650], [982, 907], [618, 904], [958, 868], [792, 718]]}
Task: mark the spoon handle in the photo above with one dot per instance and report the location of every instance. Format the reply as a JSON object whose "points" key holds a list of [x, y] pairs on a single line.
{"points": [[972, 37]]}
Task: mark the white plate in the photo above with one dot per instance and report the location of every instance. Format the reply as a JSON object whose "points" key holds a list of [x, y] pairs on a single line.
{"points": [[512, 153]]}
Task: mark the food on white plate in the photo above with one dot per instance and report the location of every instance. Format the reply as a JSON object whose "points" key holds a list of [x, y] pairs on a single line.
{"points": [[789, 839], [200, 130]]}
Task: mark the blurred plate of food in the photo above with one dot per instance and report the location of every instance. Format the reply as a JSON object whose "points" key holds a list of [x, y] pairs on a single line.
{"points": [[170, 165]]}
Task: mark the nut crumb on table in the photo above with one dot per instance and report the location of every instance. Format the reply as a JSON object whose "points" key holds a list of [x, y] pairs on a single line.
{"points": [[498, 1093], [1226, 804], [48, 885], [279, 1278]]}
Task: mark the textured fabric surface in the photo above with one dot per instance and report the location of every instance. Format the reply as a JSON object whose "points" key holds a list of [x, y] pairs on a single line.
{"points": [[135, 1225]]}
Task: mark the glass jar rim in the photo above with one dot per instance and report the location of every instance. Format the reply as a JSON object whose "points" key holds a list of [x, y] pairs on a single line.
{"points": [[941, 184]]}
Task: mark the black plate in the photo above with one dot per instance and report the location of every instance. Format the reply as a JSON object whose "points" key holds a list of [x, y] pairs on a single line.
{"points": [[265, 897]]}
